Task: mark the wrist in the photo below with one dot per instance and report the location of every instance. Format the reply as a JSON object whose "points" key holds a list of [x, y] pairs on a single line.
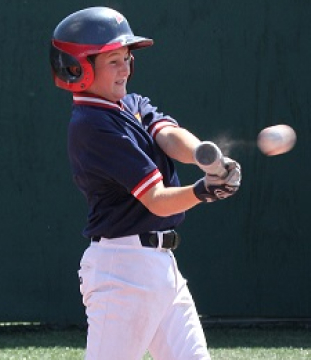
{"points": [[200, 191]]}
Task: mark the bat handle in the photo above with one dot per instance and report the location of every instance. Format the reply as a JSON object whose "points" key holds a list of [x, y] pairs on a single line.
{"points": [[210, 159]]}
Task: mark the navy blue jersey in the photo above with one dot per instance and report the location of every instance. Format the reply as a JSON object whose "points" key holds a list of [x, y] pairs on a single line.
{"points": [[115, 159]]}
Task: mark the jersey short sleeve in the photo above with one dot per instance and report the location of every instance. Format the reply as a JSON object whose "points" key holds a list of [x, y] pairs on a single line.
{"points": [[150, 117], [117, 157]]}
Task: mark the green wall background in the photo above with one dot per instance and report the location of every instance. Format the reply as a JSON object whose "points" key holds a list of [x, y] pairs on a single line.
{"points": [[224, 69]]}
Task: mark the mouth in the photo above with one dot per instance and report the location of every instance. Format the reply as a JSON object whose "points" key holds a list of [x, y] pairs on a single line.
{"points": [[121, 82]]}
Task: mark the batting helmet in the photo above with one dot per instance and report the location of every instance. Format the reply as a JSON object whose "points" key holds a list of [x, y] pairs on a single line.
{"points": [[84, 33]]}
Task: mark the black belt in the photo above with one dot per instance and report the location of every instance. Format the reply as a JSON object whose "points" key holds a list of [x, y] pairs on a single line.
{"points": [[171, 240]]}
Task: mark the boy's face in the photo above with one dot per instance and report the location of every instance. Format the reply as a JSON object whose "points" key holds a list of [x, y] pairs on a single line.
{"points": [[112, 70]]}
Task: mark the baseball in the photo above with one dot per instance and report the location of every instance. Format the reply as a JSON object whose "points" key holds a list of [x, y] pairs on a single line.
{"points": [[276, 140]]}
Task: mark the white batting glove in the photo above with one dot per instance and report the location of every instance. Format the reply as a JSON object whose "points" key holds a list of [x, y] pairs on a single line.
{"points": [[212, 187], [232, 178], [234, 172]]}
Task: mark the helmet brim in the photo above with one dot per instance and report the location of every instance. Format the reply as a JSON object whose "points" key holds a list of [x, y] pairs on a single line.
{"points": [[82, 50], [133, 42], [138, 42]]}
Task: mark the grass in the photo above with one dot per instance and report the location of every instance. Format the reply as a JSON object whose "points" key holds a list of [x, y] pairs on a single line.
{"points": [[224, 343], [255, 344]]}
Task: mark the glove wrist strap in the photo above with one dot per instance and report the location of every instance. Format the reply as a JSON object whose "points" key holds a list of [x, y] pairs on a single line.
{"points": [[201, 192]]}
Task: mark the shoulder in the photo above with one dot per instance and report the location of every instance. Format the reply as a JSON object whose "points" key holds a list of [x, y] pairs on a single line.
{"points": [[86, 120], [132, 100], [135, 100]]}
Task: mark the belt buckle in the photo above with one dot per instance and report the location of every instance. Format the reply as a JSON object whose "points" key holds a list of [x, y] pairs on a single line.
{"points": [[171, 240]]}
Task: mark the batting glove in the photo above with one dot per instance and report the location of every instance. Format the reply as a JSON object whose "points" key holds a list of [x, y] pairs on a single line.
{"points": [[212, 187]]}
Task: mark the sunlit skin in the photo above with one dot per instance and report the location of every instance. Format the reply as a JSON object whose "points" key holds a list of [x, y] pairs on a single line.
{"points": [[112, 70]]}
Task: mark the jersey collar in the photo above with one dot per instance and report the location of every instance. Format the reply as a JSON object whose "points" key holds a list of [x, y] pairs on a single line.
{"points": [[93, 100]]}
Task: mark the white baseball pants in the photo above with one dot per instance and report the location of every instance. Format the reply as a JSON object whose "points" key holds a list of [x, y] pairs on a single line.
{"points": [[136, 299]]}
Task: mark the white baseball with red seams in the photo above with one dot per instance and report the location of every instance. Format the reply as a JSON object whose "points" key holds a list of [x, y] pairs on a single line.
{"points": [[276, 140]]}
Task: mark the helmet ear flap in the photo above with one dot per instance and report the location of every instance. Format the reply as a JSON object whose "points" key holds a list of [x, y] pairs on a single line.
{"points": [[65, 66], [71, 73]]}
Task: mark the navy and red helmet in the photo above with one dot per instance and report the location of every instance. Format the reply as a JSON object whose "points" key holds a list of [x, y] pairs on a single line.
{"points": [[84, 33]]}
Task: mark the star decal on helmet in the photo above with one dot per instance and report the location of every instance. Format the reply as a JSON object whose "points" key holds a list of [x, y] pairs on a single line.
{"points": [[119, 18]]}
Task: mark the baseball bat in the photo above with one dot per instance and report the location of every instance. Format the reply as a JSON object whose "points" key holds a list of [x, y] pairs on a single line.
{"points": [[210, 159]]}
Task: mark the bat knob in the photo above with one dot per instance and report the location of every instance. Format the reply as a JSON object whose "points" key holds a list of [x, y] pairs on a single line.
{"points": [[209, 158]]}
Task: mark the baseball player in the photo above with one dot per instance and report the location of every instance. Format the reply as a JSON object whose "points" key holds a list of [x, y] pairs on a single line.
{"points": [[121, 149]]}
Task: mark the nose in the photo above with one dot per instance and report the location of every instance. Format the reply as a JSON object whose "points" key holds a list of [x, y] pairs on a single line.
{"points": [[125, 68]]}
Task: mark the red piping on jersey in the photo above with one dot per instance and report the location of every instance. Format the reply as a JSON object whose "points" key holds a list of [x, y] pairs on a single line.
{"points": [[159, 125], [88, 99], [147, 183]]}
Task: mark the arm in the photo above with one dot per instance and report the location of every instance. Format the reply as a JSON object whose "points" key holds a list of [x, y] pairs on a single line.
{"points": [[178, 143], [163, 201], [166, 201]]}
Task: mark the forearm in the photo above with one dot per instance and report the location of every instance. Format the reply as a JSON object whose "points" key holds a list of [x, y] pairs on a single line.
{"points": [[164, 201], [178, 143]]}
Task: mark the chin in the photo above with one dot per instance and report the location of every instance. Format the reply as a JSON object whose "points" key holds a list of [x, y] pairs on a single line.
{"points": [[121, 96]]}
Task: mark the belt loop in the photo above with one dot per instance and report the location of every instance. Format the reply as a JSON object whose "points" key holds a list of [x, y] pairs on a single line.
{"points": [[160, 239]]}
